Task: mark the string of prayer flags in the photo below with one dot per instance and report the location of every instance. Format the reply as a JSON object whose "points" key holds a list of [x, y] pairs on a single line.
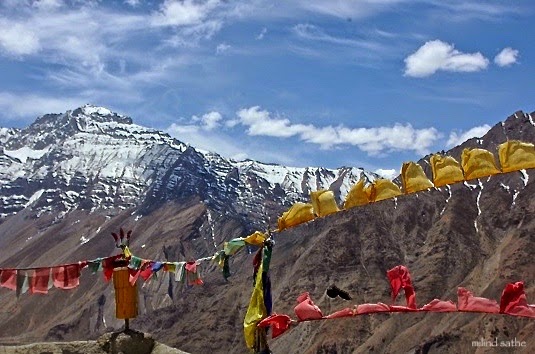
{"points": [[40, 280], [475, 163], [513, 302]]}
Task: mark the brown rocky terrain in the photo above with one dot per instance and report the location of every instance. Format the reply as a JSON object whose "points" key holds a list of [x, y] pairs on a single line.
{"points": [[480, 237], [129, 342]]}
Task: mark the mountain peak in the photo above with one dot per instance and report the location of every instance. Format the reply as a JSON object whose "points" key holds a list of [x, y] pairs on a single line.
{"points": [[100, 114]]}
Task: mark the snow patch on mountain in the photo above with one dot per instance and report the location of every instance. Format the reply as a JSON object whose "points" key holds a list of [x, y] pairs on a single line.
{"points": [[25, 153]]}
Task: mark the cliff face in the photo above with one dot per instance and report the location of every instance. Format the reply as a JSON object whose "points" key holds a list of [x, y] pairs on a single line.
{"points": [[476, 234]]}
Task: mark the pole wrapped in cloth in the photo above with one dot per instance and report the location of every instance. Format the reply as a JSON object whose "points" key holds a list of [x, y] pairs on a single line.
{"points": [[126, 298], [260, 305]]}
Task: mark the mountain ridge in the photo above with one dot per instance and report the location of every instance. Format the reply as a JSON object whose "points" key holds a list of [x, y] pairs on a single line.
{"points": [[92, 158]]}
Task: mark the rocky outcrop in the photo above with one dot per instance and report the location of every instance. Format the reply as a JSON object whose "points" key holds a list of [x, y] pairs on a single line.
{"points": [[129, 342]]}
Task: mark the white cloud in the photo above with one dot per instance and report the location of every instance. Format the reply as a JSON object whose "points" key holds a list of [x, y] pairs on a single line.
{"points": [[457, 138], [204, 123], [222, 48], [506, 57], [347, 8], [15, 106], [132, 3], [314, 33], [437, 55], [375, 141], [17, 40], [470, 10], [385, 173], [183, 12], [48, 4], [259, 122], [209, 121], [201, 135], [262, 33]]}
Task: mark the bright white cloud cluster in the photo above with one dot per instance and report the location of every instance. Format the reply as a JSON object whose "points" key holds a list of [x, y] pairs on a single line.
{"points": [[17, 40], [183, 13], [457, 138], [387, 173], [374, 141], [437, 55], [206, 122], [506, 57]]}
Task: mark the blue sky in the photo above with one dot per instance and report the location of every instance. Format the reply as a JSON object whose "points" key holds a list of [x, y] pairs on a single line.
{"points": [[367, 83]]}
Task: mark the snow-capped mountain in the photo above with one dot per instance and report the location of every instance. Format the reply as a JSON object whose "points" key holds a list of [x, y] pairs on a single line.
{"points": [[93, 159]]}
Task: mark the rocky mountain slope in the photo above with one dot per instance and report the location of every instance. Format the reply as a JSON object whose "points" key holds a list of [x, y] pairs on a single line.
{"points": [[476, 234]]}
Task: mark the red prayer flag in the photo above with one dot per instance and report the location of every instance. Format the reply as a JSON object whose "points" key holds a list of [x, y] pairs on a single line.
{"points": [[514, 301], [8, 279], [279, 324], [397, 308], [191, 267], [466, 301], [306, 309], [39, 281], [400, 278], [347, 312], [439, 306], [66, 277], [363, 309]]}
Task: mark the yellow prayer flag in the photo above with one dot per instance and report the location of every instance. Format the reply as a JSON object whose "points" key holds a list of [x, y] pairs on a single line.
{"points": [[255, 312], [516, 155], [414, 178], [478, 163], [323, 202], [126, 252], [446, 170], [382, 189], [171, 267], [297, 214], [358, 195], [255, 239]]}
